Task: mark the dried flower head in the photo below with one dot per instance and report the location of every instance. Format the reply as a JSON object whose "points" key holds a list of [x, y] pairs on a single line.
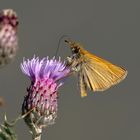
{"points": [[45, 76], [1, 101], [8, 36]]}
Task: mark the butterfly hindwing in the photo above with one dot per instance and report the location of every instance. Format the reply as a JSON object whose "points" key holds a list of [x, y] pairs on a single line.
{"points": [[82, 84]]}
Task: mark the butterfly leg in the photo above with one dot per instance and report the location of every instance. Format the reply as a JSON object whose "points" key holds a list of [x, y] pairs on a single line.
{"points": [[69, 60], [74, 66], [75, 69]]}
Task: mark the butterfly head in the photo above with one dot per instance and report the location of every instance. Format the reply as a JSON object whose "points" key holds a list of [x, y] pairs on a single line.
{"points": [[75, 48]]}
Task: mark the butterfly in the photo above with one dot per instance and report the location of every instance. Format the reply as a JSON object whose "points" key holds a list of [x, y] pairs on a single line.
{"points": [[94, 72]]}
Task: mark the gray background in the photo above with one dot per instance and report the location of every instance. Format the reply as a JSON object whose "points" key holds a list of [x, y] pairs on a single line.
{"points": [[107, 28]]}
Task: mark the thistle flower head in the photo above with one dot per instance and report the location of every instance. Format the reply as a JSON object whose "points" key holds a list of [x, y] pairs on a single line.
{"points": [[45, 76], [8, 36], [37, 69]]}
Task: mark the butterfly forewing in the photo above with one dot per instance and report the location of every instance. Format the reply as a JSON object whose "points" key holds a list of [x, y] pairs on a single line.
{"points": [[100, 74]]}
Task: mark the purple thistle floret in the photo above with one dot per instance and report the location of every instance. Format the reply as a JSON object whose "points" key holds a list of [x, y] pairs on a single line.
{"points": [[46, 77]]}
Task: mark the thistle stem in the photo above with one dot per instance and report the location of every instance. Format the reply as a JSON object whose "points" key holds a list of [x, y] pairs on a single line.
{"points": [[37, 137], [37, 134]]}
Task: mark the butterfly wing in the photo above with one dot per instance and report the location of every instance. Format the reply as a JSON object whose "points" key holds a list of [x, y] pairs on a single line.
{"points": [[98, 74]]}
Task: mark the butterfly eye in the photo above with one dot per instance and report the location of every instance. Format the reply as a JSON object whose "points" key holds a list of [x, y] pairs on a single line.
{"points": [[75, 50]]}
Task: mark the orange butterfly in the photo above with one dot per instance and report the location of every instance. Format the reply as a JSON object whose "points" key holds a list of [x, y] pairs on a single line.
{"points": [[93, 72]]}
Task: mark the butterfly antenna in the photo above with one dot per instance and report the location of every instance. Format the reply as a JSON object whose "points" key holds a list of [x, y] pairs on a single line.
{"points": [[63, 36]]}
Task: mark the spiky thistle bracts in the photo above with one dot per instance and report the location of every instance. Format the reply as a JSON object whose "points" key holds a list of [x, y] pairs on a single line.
{"points": [[8, 36], [46, 77]]}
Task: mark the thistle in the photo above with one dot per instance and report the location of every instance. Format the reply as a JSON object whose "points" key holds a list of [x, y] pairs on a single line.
{"points": [[8, 36], [46, 77]]}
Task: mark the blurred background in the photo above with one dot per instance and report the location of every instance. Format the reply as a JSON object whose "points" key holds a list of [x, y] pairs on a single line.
{"points": [[107, 28]]}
